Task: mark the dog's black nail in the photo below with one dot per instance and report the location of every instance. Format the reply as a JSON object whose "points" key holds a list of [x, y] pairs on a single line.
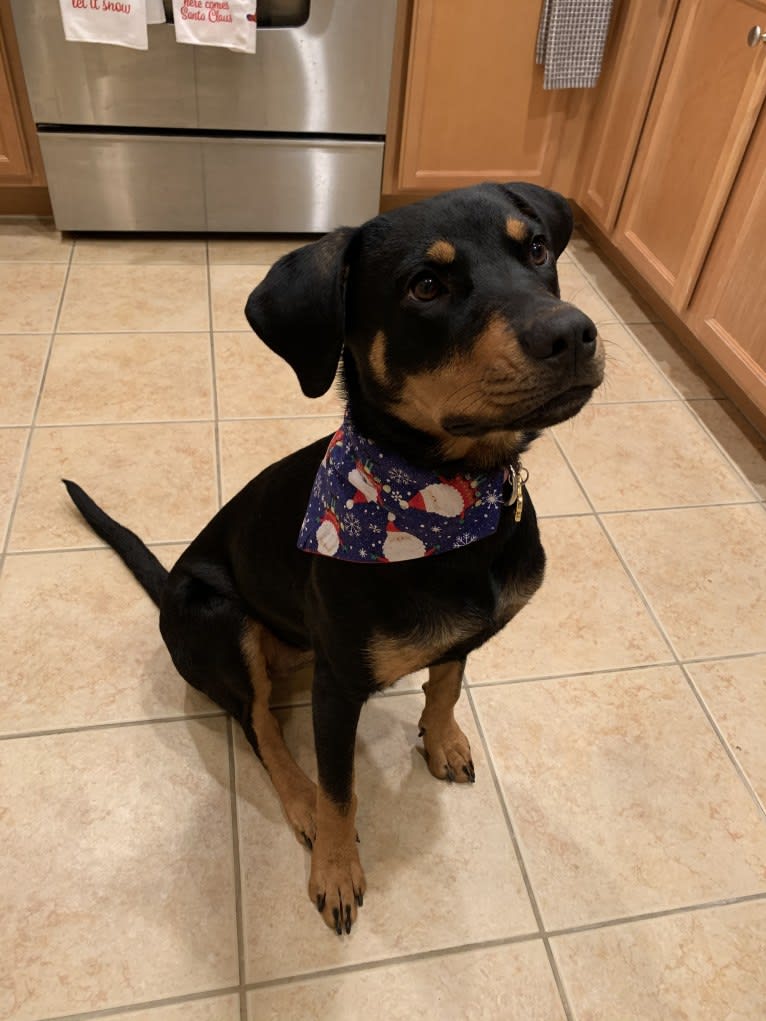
{"points": [[421, 732], [336, 916], [348, 919], [450, 774], [307, 842], [360, 898], [357, 839], [321, 898], [470, 772]]}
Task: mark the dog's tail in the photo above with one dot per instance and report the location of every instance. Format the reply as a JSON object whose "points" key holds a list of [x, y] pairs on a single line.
{"points": [[139, 559]]}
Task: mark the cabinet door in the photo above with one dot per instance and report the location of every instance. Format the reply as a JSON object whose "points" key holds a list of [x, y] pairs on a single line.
{"points": [[475, 107], [14, 162], [727, 311], [631, 64], [710, 90]]}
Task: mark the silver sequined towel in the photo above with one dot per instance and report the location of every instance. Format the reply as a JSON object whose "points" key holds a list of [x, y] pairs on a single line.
{"points": [[570, 42]]}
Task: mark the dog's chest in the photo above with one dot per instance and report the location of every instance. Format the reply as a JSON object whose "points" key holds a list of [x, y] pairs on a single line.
{"points": [[451, 629]]}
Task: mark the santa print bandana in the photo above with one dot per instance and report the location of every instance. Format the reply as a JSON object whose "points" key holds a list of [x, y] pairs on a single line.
{"points": [[370, 506]]}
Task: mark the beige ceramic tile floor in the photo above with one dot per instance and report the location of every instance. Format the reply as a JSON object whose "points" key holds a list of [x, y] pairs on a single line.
{"points": [[609, 863]]}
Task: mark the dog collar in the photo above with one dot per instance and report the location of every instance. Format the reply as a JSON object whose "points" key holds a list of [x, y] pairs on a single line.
{"points": [[368, 505]]}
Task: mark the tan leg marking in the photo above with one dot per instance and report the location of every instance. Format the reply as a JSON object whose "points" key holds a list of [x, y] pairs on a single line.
{"points": [[296, 792], [337, 883], [441, 251], [448, 752], [392, 657], [516, 229]]}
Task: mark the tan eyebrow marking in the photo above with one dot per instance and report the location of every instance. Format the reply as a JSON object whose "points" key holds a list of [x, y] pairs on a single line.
{"points": [[515, 229], [441, 251]]}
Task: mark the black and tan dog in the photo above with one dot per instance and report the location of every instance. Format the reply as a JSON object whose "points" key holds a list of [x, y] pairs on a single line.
{"points": [[455, 350]]}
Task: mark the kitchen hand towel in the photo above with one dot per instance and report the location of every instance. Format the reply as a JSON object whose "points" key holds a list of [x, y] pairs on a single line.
{"points": [[570, 42], [155, 12], [119, 22], [228, 23]]}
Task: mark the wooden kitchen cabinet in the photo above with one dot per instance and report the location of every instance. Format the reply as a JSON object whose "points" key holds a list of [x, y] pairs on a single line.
{"points": [[22, 177], [632, 59], [726, 313], [14, 160], [474, 105], [710, 90]]}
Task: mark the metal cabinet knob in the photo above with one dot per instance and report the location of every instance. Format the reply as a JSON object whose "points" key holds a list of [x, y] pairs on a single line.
{"points": [[756, 35]]}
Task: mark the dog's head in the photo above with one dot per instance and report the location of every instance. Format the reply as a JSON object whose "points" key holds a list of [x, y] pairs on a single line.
{"points": [[450, 316]]}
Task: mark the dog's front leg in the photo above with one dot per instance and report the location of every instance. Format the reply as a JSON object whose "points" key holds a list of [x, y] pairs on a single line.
{"points": [[447, 750], [337, 882]]}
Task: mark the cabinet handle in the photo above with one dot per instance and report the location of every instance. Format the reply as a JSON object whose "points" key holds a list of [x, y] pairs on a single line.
{"points": [[756, 35]]}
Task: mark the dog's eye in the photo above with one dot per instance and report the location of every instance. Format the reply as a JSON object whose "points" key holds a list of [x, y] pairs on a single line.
{"points": [[538, 252], [426, 287]]}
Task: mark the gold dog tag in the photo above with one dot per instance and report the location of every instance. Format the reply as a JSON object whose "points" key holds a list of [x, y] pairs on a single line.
{"points": [[519, 499]]}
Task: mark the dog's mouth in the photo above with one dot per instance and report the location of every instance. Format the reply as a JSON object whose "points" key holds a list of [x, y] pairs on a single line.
{"points": [[556, 409]]}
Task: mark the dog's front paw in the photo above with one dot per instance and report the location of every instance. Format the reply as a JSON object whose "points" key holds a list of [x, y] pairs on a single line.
{"points": [[337, 885], [448, 752]]}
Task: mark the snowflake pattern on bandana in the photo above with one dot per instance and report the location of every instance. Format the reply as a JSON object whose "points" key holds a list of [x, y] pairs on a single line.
{"points": [[370, 506]]}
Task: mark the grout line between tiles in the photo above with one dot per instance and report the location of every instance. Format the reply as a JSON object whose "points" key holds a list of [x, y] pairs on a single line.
{"points": [[680, 663], [666, 637], [726, 746], [236, 861], [690, 660], [532, 679], [647, 916], [33, 262], [184, 541], [90, 549], [450, 951], [124, 423], [101, 333], [425, 955], [747, 502], [720, 447], [115, 725], [519, 857], [168, 421], [681, 396], [170, 1001], [216, 419], [384, 962], [38, 399]]}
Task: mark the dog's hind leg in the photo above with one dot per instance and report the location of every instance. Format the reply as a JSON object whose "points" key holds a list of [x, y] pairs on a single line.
{"points": [[447, 750], [263, 653]]}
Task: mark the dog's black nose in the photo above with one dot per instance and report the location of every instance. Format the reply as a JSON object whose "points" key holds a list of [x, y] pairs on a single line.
{"points": [[566, 334]]}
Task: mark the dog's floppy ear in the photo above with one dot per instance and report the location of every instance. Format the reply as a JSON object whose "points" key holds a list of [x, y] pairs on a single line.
{"points": [[550, 208], [298, 309]]}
